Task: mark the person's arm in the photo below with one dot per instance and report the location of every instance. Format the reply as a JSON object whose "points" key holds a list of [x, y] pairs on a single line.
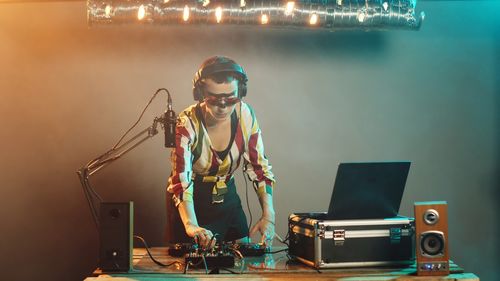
{"points": [[258, 169], [201, 235], [180, 182], [266, 224]]}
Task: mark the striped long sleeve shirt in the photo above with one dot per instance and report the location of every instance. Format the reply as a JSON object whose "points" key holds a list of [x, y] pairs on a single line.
{"points": [[194, 155]]}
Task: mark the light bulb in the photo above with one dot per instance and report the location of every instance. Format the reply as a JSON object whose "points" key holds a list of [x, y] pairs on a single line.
{"points": [[107, 10], [141, 13], [218, 14], [185, 13], [385, 5], [361, 17], [264, 19], [289, 8], [314, 19]]}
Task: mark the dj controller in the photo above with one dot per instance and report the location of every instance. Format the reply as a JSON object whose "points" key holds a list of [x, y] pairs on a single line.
{"points": [[221, 255]]}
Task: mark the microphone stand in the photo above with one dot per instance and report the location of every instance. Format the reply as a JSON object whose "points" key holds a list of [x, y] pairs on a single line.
{"points": [[109, 157]]}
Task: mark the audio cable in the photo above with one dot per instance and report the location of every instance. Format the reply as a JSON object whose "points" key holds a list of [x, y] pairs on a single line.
{"points": [[151, 256]]}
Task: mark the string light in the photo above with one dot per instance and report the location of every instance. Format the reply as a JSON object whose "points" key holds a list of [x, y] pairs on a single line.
{"points": [[141, 13], [385, 5], [314, 19], [289, 8], [218, 14], [361, 17], [185, 13], [264, 19], [326, 14], [107, 10]]}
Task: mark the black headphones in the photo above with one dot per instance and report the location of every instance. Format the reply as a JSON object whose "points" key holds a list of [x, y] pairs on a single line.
{"points": [[215, 65]]}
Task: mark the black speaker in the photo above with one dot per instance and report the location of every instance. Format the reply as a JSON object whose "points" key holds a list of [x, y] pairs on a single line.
{"points": [[116, 228]]}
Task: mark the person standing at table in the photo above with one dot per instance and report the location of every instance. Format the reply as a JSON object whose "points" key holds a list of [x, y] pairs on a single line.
{"points": [[212, 137]]}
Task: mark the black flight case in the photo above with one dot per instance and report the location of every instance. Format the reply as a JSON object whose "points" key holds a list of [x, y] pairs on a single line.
{"points": [[323, 243]]}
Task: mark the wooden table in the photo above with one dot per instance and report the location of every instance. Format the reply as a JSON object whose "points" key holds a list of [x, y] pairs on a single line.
{"points": [[269, 267]]}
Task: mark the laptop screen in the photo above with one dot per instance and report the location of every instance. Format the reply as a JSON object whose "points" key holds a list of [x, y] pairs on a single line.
{"points": [[368, 190]]}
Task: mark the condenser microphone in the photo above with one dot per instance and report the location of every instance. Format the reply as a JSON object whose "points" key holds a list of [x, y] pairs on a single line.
{"points": [[169, 120]]}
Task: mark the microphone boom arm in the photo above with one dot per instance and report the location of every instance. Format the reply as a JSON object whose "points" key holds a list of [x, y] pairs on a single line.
{"points": [[109, 157]]}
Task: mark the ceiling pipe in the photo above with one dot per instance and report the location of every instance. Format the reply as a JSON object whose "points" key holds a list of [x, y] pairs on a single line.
{"points": [[310, 14]]}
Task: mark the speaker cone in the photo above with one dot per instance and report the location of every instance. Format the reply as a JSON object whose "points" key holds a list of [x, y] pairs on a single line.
{"points": [[432, 243], [114, 213]]}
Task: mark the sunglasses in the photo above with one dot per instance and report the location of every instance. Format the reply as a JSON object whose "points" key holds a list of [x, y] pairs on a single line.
{"points": [[221, 101]]}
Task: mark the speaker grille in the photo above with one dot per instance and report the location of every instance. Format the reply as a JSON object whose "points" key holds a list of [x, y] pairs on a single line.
{"points": [[432, 243]]}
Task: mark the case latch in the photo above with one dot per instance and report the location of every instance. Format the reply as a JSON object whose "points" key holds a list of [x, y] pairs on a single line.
{"points": [[395, 235], [338, 237], [320, 230]]}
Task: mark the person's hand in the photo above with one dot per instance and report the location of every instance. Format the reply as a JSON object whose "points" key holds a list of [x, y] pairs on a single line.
{"points": [[202, 236], [265, 227]]}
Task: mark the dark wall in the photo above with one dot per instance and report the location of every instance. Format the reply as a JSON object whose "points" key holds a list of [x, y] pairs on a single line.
{"points": [[68, 92]]}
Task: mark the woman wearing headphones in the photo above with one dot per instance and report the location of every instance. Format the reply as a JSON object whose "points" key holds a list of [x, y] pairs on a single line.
{"points": [[212, 137]]}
